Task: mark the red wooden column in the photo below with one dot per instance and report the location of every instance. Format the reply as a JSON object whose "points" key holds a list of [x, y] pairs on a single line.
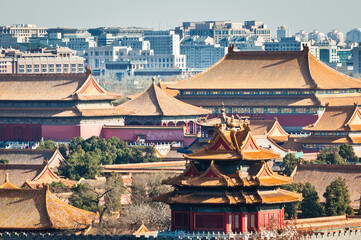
{"points": [[282, 217], [187, 127], [172, 221], [228, 222], [191, 222], [257, 221], [243, 222]]}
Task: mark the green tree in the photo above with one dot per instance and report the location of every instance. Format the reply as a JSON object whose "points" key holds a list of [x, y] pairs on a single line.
{"points": [[48, 144], [4, 161], [292, 208], [337, 198], [63, 149], [347, 152], [104, 199], [84, 197], [289, 163], [310, 204], [329, 156], [86, 156]]}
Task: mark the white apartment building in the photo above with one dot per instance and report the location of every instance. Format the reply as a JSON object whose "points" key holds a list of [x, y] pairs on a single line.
{"points": [[356, 57], [201, 52], [49, 61], [20, 33], [6, 65], [98, 57], [283, 32], [354, 35], [285, 44], [163, 42]]}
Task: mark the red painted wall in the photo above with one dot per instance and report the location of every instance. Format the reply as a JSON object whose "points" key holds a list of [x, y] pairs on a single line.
{"points": [[89, 130], [156, 135], [60, 132]]}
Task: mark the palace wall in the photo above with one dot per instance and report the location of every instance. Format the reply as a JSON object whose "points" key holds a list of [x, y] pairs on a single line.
{"points": [[60, 132], [151, 135]]}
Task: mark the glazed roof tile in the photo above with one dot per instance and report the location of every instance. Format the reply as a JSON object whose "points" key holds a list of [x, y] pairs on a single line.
{"points": [[155, 102], [269, 70], [57, 87], [39, 210], [232, 145], [338, 118], [232, 198]]}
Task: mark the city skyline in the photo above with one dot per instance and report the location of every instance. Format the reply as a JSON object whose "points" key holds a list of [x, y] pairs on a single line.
{"points": [[160, 14]]}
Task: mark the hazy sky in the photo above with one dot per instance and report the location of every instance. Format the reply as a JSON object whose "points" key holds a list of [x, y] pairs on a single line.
{"points": [[308, 15]]}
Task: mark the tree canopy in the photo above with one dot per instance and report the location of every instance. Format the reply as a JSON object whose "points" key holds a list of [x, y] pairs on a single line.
{"points": [[337, 198], [86, 157], [337, 155], [289, 163], [48, 144], [103, 199], [310, 204]]}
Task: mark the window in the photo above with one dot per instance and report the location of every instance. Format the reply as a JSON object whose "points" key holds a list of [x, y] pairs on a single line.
{"points": [[43, 65], [66, 65], [21, 66], [209, 221], [58, 65], [181, 219], [80, 65], [21, 70], [51, 65], [36, 65], [43, 70], [29, 70], [29, 66], [73, 69], [73, 65]]}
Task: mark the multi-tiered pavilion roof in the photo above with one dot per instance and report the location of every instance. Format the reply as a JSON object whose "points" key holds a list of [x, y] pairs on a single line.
{"points": [[232, 174]]}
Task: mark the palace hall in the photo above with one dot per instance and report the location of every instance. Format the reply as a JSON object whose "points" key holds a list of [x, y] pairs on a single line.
{"points": [[293, 86]]}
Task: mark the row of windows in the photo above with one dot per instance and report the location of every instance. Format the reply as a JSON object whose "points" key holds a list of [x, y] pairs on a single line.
{"points": [[51, 70], [330, 133], [279, 110], [65, 65], [269, 92]]}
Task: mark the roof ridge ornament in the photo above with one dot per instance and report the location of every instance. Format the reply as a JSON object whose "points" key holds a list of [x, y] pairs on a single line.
{"points": [[6, 177], [153, 80], [88, 70], [305, 47], [231, 48]]}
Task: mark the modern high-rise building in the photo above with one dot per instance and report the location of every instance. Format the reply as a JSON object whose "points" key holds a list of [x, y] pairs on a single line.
{"points": [[283, 32], [354, 35], [356, 57], [335, 35], [201, 52], [221, 29], [163, 42], [58, 60], [285, 44], [20, 33]]}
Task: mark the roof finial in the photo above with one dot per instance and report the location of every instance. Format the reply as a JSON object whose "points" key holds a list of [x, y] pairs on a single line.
{"points": [[231, 48], [306, 49], [88, 70], [6, 177], [153, 79]]}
